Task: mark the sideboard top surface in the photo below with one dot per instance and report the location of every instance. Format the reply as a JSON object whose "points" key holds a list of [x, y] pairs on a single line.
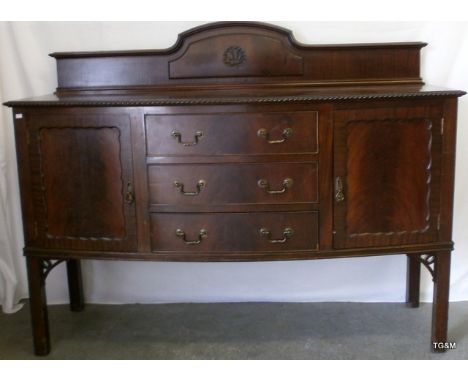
{"points": [[238, 96]]}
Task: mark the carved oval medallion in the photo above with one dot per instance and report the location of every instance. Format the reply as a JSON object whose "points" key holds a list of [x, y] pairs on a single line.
{"points": [[234, 56]]}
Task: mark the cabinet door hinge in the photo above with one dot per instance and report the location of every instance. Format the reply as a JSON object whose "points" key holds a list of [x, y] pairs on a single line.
{"points": [[442, 121], [438, 222]]}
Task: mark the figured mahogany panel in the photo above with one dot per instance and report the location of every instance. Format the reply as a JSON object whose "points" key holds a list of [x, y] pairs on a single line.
{"points": [[232, 133], [234, 232], [388, 169], [82, 180], [82, 172], [219, 184]]}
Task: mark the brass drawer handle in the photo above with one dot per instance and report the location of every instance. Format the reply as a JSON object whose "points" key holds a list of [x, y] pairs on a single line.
{"points": [[263, 133], [201, 235], [129, 195], [177, 135], [200, 186], [287, 184], [287, 234], [339, 194]]}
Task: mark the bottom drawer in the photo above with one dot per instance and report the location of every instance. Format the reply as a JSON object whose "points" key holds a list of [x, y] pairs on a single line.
{"points": [[239, 232]]}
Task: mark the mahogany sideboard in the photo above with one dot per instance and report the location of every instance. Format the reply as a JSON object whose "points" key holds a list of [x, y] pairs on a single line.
{"points": [[238, 144]]}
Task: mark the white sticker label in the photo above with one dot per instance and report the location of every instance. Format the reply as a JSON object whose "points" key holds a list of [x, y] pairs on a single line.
{"points": [[19, 116]]}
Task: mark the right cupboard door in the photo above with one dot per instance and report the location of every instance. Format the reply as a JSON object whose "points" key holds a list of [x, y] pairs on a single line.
{"points": [[387, 176]]}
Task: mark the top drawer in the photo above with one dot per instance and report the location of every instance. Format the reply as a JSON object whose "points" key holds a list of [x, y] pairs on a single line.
{"points": [[232, 133]]}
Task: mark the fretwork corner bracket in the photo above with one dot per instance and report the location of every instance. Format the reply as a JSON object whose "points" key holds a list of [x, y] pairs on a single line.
{"points": [[48, 265], [428, 262]]}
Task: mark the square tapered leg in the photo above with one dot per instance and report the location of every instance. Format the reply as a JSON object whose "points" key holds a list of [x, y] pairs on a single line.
{"points": [[38, 306], [441, 299], [75, 285], [413, 280]]}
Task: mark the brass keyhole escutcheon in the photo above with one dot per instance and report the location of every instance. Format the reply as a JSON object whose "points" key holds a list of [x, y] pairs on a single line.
{"points": [[339, 194]]}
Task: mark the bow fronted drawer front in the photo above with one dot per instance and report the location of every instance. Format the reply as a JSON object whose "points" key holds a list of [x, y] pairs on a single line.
{"points": [[232, 133], [234, 232], [217, 184]]}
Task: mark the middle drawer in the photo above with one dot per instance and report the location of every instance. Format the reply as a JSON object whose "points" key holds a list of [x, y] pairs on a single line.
{"points": [[240, 183]]}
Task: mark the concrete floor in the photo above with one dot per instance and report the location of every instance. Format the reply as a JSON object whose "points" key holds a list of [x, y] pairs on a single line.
{"points": [[237, 331]]}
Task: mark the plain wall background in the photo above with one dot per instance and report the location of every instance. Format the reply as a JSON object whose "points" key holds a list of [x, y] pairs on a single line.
{"points": [[27, 70]]}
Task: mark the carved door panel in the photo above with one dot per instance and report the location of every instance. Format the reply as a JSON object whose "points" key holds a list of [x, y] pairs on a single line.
{"points": [[82, 181], [387, 176]]}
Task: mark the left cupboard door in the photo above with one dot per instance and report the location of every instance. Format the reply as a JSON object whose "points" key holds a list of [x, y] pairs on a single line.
{"points": [[80, 183]]}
